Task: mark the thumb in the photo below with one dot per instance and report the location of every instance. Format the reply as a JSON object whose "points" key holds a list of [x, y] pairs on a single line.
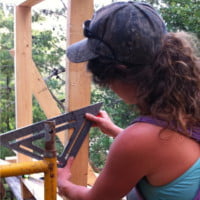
{"points": [[69, 163], [93, 118]]}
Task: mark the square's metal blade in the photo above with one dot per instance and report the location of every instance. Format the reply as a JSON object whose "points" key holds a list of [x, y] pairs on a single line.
{"points": [[15, 139]]}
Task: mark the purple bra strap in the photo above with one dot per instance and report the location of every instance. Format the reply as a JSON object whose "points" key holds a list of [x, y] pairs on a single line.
{"points": [[134, 194], [197, 196], [194, 132]]}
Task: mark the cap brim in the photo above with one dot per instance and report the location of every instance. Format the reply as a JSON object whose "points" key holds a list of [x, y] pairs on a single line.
{"points": [[80, 52]]}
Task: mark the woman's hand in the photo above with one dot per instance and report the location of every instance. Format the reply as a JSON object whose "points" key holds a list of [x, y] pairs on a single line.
{"points": [[64, 174], [67, 188], [103, 121]]}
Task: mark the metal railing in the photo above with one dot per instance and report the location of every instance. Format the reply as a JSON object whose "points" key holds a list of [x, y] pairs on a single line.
{"points": [[48, 165]]}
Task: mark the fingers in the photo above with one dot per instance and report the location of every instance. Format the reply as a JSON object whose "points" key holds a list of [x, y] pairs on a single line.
{"points": [[69, 163], [90, 116], [68, 166], [101, 114], [64, 174]]}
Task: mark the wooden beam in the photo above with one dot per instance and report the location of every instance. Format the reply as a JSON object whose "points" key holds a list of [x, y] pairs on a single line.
{"points": [[44, 98], [78, 84], [43, 95], [36, 187], [29, 3], [91, 176], [23, 49], [15, 186]]}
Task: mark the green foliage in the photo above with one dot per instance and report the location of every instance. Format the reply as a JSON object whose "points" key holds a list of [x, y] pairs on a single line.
{"points": [[120, 113], [7, 121], [179, 15], [38, 112], [6, 73], [5, 152], [47, 55], [182, 15], [99, 145], [6, 21]]}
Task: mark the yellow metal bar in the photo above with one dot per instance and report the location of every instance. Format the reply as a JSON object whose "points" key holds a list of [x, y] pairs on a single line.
{"points": [[48, 165], [50, 179], [50, 157], [17, 169]]}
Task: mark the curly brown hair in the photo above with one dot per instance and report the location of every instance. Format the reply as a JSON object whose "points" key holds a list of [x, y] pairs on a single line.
{"points": [[168, 88]]}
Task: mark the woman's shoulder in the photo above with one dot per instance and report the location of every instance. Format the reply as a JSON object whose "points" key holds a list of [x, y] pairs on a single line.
{"points": [[157, 134], [142, 133], [132, 149], [162, 149], [153, 151], [154, 142], [139, 139]]}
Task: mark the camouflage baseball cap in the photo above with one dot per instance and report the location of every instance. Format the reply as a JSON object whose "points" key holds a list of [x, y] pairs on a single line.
{"points": [[129, 33]]}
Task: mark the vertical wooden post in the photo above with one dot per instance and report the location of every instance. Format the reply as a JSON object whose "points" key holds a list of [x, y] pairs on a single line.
{"points": [[23, 88], [23, 58], [78, 84]]}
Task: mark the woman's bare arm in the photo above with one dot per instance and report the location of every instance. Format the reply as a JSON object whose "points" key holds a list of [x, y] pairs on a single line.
{"points": [[127, 163], [104, 123]]}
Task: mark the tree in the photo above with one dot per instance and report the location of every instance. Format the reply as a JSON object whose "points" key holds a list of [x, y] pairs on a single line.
{"points": [[179, 15], [47, 55], [120, 113], [6, 73], [6, 78], [182, 15]]}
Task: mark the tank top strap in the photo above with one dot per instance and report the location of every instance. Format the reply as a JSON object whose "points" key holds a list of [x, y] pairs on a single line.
{"points": [[193, 132]]}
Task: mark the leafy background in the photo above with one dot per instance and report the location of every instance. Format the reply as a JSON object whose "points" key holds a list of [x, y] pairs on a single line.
{"points": [[49, 56]]}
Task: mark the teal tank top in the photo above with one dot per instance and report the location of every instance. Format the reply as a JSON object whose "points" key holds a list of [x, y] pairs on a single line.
{"points": [[184, 187]]}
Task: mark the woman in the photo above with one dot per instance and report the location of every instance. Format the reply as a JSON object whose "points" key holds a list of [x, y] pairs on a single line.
{"points": [[129, 50]]}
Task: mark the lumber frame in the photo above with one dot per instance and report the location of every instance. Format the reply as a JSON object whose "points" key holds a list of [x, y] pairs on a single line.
{"points": [[29, 82], [25, 73], [43, 95], [23, 49], [78, 87], [27, 77]]}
